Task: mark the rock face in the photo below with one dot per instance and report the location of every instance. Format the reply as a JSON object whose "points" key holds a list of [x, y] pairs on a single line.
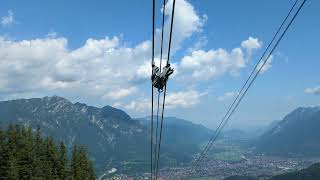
{"points": [[109, 134], [297, 134]]}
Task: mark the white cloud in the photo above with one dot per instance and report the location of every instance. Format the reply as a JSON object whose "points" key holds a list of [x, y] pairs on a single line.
{"points": [[9, 19], [142, 105], [186, 22], [121, 93], [266, 66], [99, 68], [227, 96], [107, 69], [314, 90], [204, 65], [251, 43], [183, 99]]}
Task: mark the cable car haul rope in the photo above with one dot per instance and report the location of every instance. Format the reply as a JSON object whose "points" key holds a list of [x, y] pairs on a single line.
{"points": [[159, 78]]}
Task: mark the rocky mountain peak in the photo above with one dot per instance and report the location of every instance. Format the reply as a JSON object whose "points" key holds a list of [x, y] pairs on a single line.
{"points": [[55, 99]]}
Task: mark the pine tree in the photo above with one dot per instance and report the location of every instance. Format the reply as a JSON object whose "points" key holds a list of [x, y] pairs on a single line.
{"points": [[24, 154], [85, 165], [38, 155], [12, 171], [63, 169], [51, 160], [27, 156], [91, 172], [3, 154], [74, 174]]}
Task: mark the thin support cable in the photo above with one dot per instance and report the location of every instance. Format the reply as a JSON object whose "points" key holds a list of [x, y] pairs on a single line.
{"points": [[162, 31], [156, 141], [257, 72], [171, 27], [256, 66], [161, 52], [160, 138], [152, 64]]}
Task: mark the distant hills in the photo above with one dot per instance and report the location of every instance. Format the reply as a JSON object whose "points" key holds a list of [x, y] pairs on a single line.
{"points": [[297, 134], [112, 137], [183, 137]]}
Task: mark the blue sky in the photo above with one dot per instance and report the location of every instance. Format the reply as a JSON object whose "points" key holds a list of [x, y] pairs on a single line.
{"points": [[98, 52]]}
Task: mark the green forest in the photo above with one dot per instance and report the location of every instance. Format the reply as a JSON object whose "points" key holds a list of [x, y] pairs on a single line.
{"points": [[26, 154]]}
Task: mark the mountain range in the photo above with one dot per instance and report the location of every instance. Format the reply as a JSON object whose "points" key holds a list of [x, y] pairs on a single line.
{"points": [[113, 139], [297, 134], [109, 134]]}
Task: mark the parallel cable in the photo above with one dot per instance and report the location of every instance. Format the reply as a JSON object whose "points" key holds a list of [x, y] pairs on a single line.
{"points": [[170, 37], [159, 145], [165, 88], [156, 142], [245, 84], [160, 68], [151, 143], [152, 65], [261, 67], [162, 31], [229, 114]]}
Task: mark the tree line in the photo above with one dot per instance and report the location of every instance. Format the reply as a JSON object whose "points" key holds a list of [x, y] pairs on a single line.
{"points": [[25, 154]]}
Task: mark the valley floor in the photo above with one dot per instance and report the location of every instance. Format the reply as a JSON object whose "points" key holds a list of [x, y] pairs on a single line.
{"points": [[249, 165], [255, 165]]}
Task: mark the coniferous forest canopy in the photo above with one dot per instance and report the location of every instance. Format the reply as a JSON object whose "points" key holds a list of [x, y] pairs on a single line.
{"points": [[25, 154]]}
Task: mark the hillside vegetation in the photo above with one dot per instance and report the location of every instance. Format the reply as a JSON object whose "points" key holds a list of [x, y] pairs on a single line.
{"points": [[27, 155]]}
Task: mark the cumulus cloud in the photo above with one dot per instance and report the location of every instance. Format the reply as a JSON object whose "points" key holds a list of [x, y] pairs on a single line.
{"points": [[108, 69], [140, 105], [314, 90], [227, 96], [120, 93], [183, 98], [8, 19], [99, 68], [251, 43], [204, 65], [186, 22]]}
